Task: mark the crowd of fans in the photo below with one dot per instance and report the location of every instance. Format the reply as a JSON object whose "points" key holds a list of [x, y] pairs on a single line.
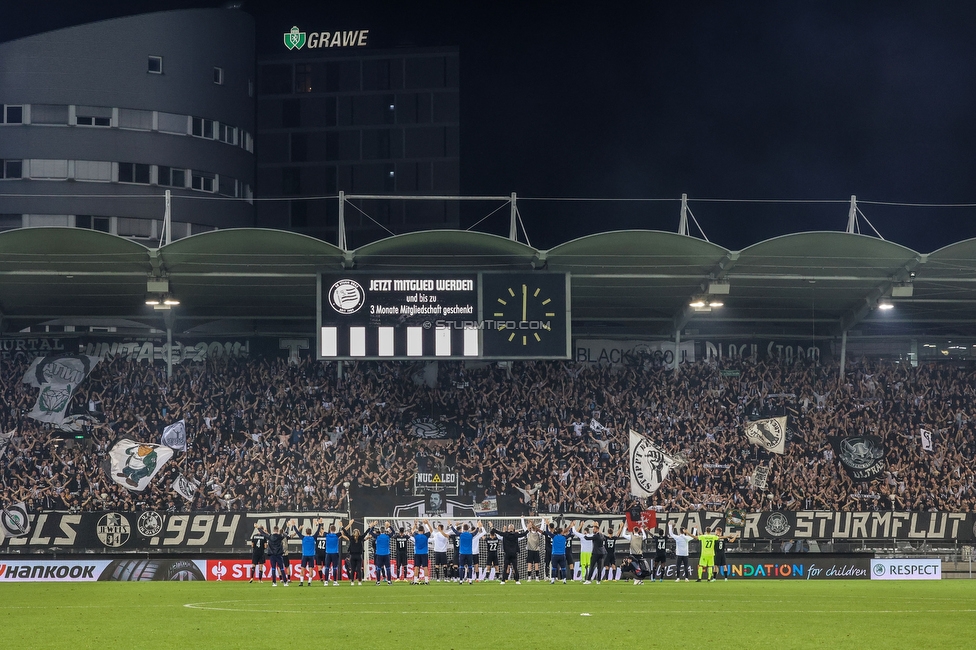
{"points": [[267, 434]]}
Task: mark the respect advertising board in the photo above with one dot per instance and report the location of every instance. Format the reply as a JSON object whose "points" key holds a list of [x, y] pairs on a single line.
{"points": [[203, 531], [906, 569]]}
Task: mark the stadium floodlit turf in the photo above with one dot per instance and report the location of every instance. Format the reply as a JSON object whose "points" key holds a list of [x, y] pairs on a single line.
{"points": [[734, 614]]}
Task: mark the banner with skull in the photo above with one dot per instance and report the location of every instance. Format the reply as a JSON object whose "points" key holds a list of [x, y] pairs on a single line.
{"points": [[863, 457]]}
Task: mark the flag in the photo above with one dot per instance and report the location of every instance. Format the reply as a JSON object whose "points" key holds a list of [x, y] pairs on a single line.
{"points": [[926, 436], [57, 378], [769, 433], [760, 476], [14, 521], [649, 465], [645, 518], [76, 423], [174, 436], [134, 464], [185, 487], [863, 457], [5, 441], [596, 427]]}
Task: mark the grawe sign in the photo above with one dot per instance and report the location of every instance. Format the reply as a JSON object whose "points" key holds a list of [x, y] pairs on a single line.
{"points": [[295, 39]]}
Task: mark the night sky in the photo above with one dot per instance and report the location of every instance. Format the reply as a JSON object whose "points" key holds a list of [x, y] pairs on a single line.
{"points": [[721, 100]]}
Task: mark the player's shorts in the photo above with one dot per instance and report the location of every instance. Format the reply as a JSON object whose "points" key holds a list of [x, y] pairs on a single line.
{"points": [[401, 559], [706, 560], [611, 559], [474, 559], [257, 558], [720, 559], [584, 559], [661, 556], [533, 557], [308, 561], [421, 560], [466, 559], [491, 559], [440, 558], [320, 559]]}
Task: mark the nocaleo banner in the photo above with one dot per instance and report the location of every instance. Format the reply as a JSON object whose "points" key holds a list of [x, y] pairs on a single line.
{"points": [[906, 569]]}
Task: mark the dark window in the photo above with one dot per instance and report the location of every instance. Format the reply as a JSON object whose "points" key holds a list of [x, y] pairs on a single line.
{"points": [[133, 173], [342, 76], [303, 78], [156, 64], [11, 168], [291, 114], [202, 181], [275, 79], [171, 177], [13, 114], [93, 121], [376, 74], [102, 224], [298, 214], [389, 178], [9, 221], [218, 76], [291, 181], [299, 147], [228, 186], [203, 128]]}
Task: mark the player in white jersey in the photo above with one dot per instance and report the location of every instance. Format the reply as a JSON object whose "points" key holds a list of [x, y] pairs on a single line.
{"points": [[441, 540]]}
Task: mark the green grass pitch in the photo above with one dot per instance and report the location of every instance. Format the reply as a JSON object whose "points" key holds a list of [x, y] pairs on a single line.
{"points": [[735, 614]]}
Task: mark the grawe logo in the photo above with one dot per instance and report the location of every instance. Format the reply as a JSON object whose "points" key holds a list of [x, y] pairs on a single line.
{"points": [[295, 39]]}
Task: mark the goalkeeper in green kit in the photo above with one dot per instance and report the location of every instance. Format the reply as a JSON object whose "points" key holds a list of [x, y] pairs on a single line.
{"points": [[707, 559]]}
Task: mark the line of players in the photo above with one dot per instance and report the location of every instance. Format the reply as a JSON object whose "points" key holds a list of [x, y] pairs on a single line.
{"points": [[322, 557]]}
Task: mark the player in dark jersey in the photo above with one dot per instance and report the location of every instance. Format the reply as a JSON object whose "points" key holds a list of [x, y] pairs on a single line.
{"points": [[401, 541], [259, 543], [319, 536], [598, 556], [354, 563], [660, 564], [489, 569], [611, 546], [276, 550], [721, 563]]}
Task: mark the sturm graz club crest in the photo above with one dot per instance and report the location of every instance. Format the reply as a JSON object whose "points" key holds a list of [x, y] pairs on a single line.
{"points": [[294, 39], [14, 520], [777, 525], [347, 296], [113, 530], [149, 524]]}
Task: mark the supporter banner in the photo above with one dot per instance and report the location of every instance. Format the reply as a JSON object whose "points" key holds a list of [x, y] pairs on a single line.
{"points": [[156, 349], [765, 350], [185, 487], [807, 567], [133, 465], [926, 437], [770, 434], [56, 377], [174, 436], [906, 569], [382, 502], [649, 466], [209, 532], [17, 570], [431, 429], [30, 347], [632, 352], [5, 441], [760, 476], [159, 531], [863, 457], [446, 482]]}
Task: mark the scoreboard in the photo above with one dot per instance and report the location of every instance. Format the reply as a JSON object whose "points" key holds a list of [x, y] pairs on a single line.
{"points": [[443, 315]]}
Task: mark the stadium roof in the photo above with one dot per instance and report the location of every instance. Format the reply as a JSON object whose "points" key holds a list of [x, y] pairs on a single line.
{"points": [[623, 283]]}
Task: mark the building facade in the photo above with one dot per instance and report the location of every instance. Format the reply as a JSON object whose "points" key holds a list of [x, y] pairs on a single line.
{"points": [[98, 121], [335, 115]]}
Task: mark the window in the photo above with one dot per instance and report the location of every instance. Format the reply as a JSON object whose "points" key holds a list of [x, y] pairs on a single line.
{"points": [[102, 224], [218, 76], [130, 118], [49, 169], [93, 170], [291, 181], [49, 114], [203, 128], [11, 168], [134, 173], [299, 147], [13, 114], [94, 121], [130, 227], [171, 123], [227, 134], [227, 186], [156, 65], [299, 214], [291, 114], [202, 181], [11, 221], [171, 177], [303, 78]]}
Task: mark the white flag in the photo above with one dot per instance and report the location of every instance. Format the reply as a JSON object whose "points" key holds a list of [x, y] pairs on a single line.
{"points": [[5, 441], [57, 378], [135, 464], [649, 465], [760, 476], [596, 426], [185, 487], [770, 434], [14, 521], [926, 436], [174, 436]]}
